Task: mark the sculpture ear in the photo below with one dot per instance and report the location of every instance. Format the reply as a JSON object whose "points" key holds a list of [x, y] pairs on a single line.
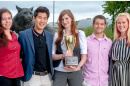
{"points": [[31, 8], [18, 8]]}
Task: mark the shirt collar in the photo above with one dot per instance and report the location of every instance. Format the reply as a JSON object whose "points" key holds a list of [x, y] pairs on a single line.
{"points": [[37, 34], [64, 32], [104, 37], [14, 36]]}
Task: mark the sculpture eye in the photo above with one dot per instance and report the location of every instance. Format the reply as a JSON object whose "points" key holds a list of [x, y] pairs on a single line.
{"points": [[30, 13], [25, 12]]}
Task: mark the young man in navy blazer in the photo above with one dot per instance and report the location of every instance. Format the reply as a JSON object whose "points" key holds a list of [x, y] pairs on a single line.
{"points": [[36, 51]]}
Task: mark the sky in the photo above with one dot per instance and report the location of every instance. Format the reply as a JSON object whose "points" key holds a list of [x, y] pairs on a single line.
{"points": [[80, 9]]}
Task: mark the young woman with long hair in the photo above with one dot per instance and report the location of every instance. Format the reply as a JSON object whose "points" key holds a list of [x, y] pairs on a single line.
{"points": [[10, 63], [70, 75], [120, 63]]}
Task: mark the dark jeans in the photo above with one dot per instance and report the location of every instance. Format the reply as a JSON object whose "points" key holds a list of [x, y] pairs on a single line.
{"points": [[9, 81], [70, 78]]}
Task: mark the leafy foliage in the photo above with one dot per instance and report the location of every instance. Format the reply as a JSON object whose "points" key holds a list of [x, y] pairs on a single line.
{"points": [[128, 11]]}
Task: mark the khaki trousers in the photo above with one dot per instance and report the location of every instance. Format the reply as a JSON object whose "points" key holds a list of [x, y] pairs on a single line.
{"points": [[37, 80]]}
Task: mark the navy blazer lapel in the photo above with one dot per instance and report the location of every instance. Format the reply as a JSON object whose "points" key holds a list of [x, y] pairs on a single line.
{"points": [[47, 39], [30, 38]]}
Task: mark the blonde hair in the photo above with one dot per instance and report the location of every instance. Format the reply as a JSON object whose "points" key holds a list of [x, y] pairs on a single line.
{"points": [[117, 32]]}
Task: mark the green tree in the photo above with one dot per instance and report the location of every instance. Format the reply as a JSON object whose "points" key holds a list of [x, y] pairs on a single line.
{"points": [[114, 7], [128, 11]]}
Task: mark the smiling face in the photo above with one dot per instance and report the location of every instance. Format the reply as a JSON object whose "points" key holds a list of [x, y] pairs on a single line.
{"points": [[40, 21], [122, 24], [66, 21], [6, 20], [99, 26]]}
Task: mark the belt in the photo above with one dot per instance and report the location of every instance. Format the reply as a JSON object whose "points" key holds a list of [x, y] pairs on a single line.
{"points": [[40, 73]]}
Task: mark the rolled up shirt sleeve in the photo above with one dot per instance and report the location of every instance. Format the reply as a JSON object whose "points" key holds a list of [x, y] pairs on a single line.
{"points": [[83, 42]]}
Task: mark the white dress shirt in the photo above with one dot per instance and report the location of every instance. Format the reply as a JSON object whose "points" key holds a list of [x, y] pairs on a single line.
{"points": [[82, 43]]}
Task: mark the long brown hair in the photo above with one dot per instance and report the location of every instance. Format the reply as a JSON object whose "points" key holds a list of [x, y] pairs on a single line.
{"points": [[61, 27], [3, 38], [117, 32]]}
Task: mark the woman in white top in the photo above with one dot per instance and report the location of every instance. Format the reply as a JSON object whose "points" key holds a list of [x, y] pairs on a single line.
{"points": [[70, 75]]}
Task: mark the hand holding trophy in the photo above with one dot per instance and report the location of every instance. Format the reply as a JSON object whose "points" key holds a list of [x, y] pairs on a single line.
{"points": [[69, 42]]}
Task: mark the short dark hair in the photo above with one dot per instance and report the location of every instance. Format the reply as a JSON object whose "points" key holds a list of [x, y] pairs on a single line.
{"points": [[42, 10], [100, 17]]}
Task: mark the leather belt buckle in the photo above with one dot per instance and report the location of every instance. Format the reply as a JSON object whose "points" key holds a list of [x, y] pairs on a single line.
{"points": [[40, 73]]}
